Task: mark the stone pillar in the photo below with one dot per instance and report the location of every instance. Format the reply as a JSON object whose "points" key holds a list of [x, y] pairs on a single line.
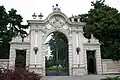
{"points": [[70, 58], [43, 59], [74, 48], [36, 41], [12, 57], [98, 60], [79, 69], [39, 53], [39, 44], [77, 45], [27, 57], [32, 52], [85, 61], [78, 59], [81, 53], [32, 42]]}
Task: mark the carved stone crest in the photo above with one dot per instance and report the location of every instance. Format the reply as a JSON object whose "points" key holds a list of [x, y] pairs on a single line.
{"points": [[57, 23]]}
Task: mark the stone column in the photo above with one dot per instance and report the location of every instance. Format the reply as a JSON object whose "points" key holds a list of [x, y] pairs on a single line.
{"points": [[77, 45], [76, 57], [39, 55], [74, 48], [27, 57], [12, 57], [43, 59], [85, 60], [70, 58], [81, 53], [39, 44], [32, 52], [32, 42], [98, 60]]}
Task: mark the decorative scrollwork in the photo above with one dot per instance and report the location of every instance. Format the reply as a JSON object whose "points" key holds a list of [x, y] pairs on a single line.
{"points": [[57, 23]]}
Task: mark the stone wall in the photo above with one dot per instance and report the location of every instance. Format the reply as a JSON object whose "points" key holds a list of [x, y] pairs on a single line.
{"points": [[109, 66], [4, 63]]}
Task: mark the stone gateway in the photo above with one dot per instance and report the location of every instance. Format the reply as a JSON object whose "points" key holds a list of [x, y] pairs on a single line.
{"points": [[83, 54]]}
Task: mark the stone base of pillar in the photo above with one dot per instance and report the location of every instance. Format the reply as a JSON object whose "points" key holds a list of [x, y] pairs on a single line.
{"points": [[78, 71], [37, 70], [99, 72]]}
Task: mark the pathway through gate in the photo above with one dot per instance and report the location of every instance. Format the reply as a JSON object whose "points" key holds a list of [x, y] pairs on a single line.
{"points": [[87, 77], [57, 62]]}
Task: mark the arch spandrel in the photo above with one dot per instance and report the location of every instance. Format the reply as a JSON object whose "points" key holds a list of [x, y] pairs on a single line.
{"points": [[56, 22], [48, 32]]}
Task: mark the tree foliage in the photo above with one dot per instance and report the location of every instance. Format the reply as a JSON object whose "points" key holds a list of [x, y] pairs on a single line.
{"points": [[15, 26], [10, 26], [103, 22]]}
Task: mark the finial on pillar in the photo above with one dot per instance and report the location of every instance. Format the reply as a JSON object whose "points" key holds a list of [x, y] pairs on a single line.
{"points": [[92, 36], [40, 15], [78, 19], [34, 16], [72, 18], [56, 4], [56, 9]]}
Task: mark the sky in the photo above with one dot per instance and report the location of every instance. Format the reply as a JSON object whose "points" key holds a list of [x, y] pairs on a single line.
{"points": [[27, 7]]}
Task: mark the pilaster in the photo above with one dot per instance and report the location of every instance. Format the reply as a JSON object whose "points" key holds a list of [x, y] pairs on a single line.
{"points": [[98, 61], [12, 57], [32, 42]]}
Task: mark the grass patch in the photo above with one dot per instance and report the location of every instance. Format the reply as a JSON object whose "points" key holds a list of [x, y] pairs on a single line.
{"points": [[112, 78]]}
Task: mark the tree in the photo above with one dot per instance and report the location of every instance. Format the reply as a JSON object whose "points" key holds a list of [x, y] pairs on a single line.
{"points": [[3, 28], [10, 26], [3, 20], [15, 25], [104, 23]]}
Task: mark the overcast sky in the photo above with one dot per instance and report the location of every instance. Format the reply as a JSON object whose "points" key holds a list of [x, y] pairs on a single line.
{"points": [[27, 7]]}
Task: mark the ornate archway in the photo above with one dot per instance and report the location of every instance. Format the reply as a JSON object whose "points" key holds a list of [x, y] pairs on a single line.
{"points": [[73, 30], [58, 21]]}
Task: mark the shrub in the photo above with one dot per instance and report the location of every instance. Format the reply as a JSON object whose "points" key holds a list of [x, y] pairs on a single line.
{"points": [[18, 74], [112, 78]]}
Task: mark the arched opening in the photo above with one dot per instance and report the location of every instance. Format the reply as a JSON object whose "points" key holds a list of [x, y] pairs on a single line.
{"points": [[56, 59]]}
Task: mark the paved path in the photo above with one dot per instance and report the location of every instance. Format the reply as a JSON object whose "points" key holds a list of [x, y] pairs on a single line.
{"points": [[88, 77]]}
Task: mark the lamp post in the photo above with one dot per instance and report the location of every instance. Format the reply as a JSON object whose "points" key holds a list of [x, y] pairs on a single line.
{"points": [[78, 50], [35, 49]]}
